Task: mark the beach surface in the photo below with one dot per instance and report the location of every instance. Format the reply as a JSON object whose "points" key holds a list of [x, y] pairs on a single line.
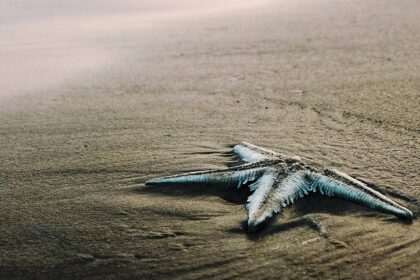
{"points": [[96, 97]]}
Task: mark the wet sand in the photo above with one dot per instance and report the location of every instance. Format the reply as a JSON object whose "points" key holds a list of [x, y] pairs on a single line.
{"points": [[94, 103]]}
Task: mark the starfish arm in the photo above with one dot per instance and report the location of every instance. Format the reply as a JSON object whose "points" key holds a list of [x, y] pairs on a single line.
{"points": [[222, 177], [250, 153], [275, 191], [338, 184]]}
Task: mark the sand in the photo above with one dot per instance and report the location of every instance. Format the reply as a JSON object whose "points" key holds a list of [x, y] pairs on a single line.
{"points": [[98, 98]]}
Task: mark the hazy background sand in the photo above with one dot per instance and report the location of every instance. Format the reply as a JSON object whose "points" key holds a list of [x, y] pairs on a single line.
{"points": [[97, 97]]}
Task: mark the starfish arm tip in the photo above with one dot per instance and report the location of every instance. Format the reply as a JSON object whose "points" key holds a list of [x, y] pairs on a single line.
{"points": [[252, 225], [408, 215], [150, 182]]}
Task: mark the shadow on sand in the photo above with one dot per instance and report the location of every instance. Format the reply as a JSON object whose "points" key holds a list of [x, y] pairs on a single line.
{"points": [[306, 209]]}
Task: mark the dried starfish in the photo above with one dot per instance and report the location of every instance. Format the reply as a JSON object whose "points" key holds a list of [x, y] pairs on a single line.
{"points": [[277, 181]]}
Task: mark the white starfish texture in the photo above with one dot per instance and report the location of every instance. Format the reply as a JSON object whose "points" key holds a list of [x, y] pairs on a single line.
{"points": [[276, 181]]}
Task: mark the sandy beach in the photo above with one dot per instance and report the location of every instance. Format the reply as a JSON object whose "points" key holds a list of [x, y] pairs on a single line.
{"points": [[96, 97]]}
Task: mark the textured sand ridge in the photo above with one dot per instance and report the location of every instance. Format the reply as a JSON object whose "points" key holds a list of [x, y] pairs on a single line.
{"points": [[335, 82]]}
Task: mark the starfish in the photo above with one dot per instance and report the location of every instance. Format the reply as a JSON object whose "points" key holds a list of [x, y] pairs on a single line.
{"points": [[276, 181]]}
